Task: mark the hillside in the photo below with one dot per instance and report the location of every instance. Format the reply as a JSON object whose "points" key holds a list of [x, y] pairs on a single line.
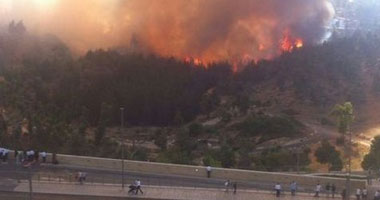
{"points": [[259, 118]]}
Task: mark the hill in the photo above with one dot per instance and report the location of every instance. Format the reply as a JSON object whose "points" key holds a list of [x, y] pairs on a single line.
{"points": [[264, 117]]}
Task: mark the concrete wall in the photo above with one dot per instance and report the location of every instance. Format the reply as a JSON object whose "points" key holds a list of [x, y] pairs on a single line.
{"points": [[199, 171]]}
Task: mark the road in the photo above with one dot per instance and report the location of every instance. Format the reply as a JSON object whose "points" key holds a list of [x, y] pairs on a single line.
{"points": [[10, 173]]}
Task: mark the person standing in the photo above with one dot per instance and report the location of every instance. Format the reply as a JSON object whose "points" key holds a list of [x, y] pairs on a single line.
{"points": [[333, 190], [208, 169], [43, 155], [138, 187], [293, 188], [377, 195], [234, 187], [317, 190], [328, 187], [277, 188], [343, 194], [364, 194], [227, 185], [358, 194]]}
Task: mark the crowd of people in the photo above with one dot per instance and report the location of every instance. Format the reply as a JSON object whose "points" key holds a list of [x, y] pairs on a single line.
{"points": [[330, 191], [29, 157]]}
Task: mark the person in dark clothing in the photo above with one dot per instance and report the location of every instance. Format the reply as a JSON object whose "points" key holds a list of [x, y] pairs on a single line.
{"points": [[234, 186], [37, 156], [333, 189], [132, 189], [343, 194], [328, 187]]}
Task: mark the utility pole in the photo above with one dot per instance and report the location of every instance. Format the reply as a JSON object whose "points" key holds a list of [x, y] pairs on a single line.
{"points": [[30, 183], [348, 180], [122, 145]]}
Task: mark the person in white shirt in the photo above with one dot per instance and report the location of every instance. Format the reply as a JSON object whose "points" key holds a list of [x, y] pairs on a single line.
{"points": [[138, 186], [208, 169], [364, 194], [377, 195], [358, 193], [227, 185], [277, 188], [43, 155], [317, 190]]}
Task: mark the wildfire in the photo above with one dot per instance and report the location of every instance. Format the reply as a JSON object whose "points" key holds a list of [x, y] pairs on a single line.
{"points": [[288, 43], [193, 61]]}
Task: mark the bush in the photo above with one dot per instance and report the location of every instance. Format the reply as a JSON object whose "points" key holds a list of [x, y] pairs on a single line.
{"points": [[195, 129], [271, 127]]}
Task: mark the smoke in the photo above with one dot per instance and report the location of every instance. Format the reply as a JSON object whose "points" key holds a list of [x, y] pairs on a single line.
{"points": [[205, 29]]}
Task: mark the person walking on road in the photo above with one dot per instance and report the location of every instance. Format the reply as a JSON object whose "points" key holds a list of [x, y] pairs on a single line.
{"points": [[227, 185], [328, 187], [277, 188], [293, 188], [358, 193], [132, 188], [364, 194], [138, 187], [234, 186], [333, 190], [208, 170], [317, 190], [43, 155], [377, 195], [343, 194]]}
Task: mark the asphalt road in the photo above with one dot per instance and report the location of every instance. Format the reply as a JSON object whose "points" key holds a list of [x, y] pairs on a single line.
{"points": [[10, 173]]}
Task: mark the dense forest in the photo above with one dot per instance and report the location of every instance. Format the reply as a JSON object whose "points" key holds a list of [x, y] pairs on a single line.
{"points": [[57, 96]]}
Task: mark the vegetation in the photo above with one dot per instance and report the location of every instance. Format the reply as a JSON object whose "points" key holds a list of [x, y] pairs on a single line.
{"points": [[372, 160], [51, 101], [327, 154]]}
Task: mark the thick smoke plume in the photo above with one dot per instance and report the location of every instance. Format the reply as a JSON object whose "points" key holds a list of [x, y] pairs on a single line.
{"points": [[206, 29]]}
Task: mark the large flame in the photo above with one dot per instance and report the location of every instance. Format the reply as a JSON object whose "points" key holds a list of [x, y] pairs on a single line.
{"points": [[288, 44], [206, 30]]}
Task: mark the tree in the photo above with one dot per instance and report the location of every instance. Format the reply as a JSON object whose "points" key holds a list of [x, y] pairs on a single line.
{"points": [[372, 159], [161, 139], [327, 154], [344, 114]]}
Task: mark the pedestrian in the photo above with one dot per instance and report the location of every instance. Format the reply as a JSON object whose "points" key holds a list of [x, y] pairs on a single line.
{"points": [[317, 190], [138, 187], [43, 155], [377, 195], [234, 187], [343, 194], [208, 169], [2, 154], [227, 185], [333, 189], [5, 155], [293, 188], [37, 156], [328, 187], [277, 188], [369, 177], [132, 188], [364, 194], [358, 193]]}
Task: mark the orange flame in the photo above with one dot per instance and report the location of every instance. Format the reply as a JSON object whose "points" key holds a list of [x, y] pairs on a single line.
{"points": [[288, 43]]}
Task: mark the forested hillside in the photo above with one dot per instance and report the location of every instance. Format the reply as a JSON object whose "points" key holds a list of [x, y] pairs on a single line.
{"points": [[190, 113]]}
